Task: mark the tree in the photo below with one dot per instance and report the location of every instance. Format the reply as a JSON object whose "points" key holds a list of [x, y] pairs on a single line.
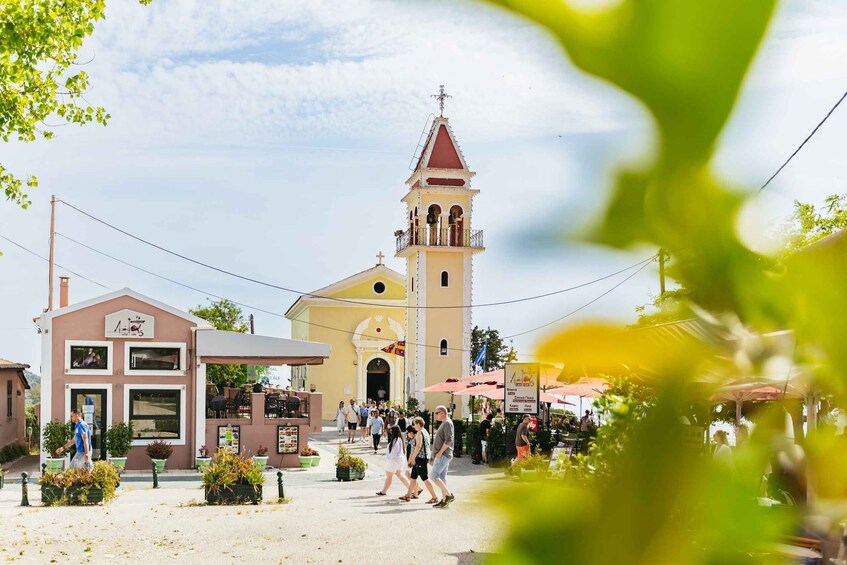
{"points": [[227, 316], [808, 223], [39, 44], [497, 354]]}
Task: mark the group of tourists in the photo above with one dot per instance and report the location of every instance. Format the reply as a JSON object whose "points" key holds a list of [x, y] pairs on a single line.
{"points": [[373, 419]]}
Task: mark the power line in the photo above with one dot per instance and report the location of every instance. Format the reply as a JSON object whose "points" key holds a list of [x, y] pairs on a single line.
{"points": [[358, 302], [58, 265], [808, 137], [278, 315], [572, 312]]}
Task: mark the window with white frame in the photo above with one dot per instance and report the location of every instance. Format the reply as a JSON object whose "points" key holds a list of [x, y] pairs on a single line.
{"points": [[88, 357], [154, 358], [155, 413]]}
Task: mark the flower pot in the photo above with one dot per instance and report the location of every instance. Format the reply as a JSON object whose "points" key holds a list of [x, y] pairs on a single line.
{"points": [[235, 494], [261, 461], [73, 495], [316, 460], [160, 464], [305, 461], [118, 462], [202, 462], [348, 474], [55, 463]]}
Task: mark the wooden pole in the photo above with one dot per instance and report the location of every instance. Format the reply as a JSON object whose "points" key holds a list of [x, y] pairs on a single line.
{"points": [[661, 271], [52, 247]]}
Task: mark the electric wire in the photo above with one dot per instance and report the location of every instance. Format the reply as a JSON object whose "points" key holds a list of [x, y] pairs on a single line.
{"points": [[58, 265], [336, 299]]}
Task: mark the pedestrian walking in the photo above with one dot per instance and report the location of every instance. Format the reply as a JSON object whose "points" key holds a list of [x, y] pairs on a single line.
{"points": [[484, 428], [442, 445], [340, 418], [522, 438], [81, 441], [353, 419], [376, 424], [418, 460], [364, 415], [395, 460]]}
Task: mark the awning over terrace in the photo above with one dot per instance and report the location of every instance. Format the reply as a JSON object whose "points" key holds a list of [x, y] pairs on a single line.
{"points": [[232, 348]]}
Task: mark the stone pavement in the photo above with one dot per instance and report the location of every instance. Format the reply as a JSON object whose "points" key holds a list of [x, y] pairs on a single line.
{"points": [[326, 521]]}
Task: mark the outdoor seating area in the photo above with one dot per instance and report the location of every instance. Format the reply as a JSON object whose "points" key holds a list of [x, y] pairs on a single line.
{"points": [[237, 402]]}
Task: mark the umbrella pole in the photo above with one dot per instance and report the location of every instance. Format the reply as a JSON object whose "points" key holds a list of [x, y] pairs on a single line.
{"points": [[738, 403]]}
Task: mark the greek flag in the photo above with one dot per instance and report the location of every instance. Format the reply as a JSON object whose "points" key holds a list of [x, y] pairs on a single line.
{"points": [[480, 358]]}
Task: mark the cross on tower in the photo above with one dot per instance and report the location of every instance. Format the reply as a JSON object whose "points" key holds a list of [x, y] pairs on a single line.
{"points": [[441, 96], [380, 257]]}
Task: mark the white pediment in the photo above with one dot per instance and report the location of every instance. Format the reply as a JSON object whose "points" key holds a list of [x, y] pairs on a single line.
{"points": [[129, 323]]}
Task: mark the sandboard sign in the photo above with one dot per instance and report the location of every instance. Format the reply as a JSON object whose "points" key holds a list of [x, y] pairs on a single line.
{"points": [[522, 382]]}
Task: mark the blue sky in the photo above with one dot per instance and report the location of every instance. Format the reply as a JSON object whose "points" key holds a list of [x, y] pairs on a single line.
{"points": [[273, 139]]}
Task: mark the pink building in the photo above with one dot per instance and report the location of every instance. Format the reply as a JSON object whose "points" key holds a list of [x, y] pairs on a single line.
{"points": [[13, 417], [127, 357]]}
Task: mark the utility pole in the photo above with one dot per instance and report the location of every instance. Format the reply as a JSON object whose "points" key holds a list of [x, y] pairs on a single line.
{"points": [[52, 246], [252, 328], [661, 272]]}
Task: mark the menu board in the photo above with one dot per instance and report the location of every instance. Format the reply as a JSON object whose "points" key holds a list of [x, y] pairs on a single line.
{"points": [[229, 437], [287, 439], [521, 388]]}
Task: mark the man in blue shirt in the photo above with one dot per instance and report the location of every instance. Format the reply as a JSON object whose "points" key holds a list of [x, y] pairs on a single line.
{"points": [[376, 424], [82, 442]]}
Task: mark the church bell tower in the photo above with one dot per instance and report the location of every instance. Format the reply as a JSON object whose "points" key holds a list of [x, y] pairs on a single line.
{"points": [[438, 243]]}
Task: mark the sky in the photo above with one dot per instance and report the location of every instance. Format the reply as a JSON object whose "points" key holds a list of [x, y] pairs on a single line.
{"points": [[273, 139]]}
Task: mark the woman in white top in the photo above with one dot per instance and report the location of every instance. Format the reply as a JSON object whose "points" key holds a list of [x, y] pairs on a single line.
{"points": [[340, 418], [395, 460]]}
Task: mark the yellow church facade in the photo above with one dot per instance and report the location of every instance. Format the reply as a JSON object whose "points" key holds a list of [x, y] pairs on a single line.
{"points": [[428, 307]]}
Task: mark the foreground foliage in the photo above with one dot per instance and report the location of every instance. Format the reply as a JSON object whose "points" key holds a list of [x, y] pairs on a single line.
{"points": [[102, 476]]}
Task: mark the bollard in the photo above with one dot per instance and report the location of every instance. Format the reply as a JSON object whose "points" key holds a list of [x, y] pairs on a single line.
{"points": [[155, 476], [279, 484], [24, 494], [43, 469]]}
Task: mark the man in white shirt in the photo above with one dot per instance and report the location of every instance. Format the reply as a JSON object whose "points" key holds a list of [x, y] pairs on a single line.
{"points": [[351, 413]]}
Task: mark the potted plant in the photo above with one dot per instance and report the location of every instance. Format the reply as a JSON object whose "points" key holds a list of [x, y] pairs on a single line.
{"points": [[532, 468], [159, 451], [261, 457], [118, 441], [347, 467], [306, 457], [316, 457], [80, 486], [55, 435], [232, 479], [202, 461]]}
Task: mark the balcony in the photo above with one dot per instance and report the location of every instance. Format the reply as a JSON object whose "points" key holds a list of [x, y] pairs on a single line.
{"points": [[439, 237]]}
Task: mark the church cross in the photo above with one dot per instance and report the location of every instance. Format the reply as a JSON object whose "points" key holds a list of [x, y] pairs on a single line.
{"points": [[380, 257], [441, 96]]}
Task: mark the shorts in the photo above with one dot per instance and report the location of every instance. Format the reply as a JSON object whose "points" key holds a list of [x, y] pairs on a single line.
{"points": [[523, 451], [420, 470], [439, 468], [78, 461], [484, 445], [351, 425]]}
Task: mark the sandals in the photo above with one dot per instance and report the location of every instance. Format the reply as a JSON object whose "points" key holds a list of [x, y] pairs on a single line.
{"points": [[432, 501], [420, 490], [405, 498]]}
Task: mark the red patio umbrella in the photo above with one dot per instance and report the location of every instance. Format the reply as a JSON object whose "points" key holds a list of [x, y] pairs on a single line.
{"points": [[450, 385], [478, 389]]}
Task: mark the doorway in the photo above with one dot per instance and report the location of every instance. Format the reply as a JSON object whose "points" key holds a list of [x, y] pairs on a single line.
{"points": [[92, 404], [378, 379]]}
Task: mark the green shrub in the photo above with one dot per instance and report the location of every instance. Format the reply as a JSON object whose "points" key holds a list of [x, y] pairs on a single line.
{"points": [[345, 459], [542, 439], [103, 476], [55, 435], [496, 448], [11, 452], [119, 439], [228, 469]]}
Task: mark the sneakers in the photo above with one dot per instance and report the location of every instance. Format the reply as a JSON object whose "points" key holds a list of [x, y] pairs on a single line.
{"points": [[442, 504], [450, 498]]}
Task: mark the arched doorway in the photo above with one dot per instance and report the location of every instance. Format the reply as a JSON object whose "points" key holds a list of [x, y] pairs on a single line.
{"points": [[378, 377]]}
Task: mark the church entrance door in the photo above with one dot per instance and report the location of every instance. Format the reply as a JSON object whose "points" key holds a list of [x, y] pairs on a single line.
{"points": [[378, 379]]}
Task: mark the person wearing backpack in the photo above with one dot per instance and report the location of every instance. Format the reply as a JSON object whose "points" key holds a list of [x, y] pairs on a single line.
{"points": [[419, 462]]}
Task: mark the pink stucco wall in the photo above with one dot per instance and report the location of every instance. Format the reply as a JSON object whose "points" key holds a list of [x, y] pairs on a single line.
{"points": [[261, 431], [89, 324], [12, 429]]}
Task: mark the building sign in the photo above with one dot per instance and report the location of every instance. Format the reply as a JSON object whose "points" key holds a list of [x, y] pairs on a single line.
{"points": [[128, 323], [288, 437], [521, 388]]}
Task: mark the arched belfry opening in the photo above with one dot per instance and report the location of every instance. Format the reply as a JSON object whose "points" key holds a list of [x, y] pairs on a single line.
{"points": [[378, 377], [433, 222], [457, 225]]}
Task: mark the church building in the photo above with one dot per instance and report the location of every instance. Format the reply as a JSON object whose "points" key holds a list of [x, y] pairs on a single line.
{"points": [[428, 308]]}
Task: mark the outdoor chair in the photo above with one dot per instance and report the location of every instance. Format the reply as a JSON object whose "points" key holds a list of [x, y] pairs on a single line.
{"points": [[218, 405], [272, 406], [292, 406]]}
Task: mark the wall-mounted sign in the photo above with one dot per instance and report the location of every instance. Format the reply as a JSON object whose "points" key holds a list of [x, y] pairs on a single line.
{"points": [[229, 437], [521, 390], [129, 323], [288, 438]]}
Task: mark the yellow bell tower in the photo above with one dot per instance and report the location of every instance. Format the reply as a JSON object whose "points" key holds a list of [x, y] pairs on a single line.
{"points": [[438, 244]]}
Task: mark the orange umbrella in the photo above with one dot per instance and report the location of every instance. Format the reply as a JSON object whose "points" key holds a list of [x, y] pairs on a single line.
{"points": [[586, 387], [499, 393], [478, 389], [450, 385]]}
